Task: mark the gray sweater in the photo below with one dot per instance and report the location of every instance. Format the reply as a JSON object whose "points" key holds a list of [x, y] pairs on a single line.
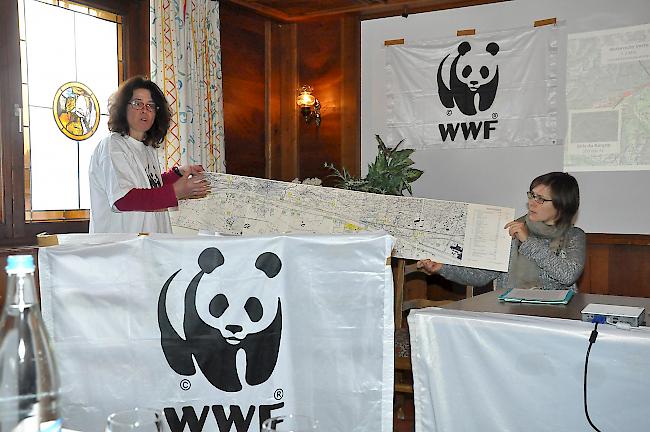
{"points": [[557, 271]]}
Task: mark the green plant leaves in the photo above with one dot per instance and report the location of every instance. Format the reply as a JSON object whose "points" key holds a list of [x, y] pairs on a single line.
{"points": [[389, 174], [412, 174]]}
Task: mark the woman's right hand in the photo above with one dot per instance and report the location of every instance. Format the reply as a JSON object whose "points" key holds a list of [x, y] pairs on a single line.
{"points": [[428, 266], [191, 185]]}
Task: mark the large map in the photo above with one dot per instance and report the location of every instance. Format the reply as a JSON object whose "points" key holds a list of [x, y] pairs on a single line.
{"points": [[449, 232], [608, 100]]}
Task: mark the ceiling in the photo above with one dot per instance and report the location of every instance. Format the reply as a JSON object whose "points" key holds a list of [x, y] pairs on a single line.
{"points": [[297, 10]]}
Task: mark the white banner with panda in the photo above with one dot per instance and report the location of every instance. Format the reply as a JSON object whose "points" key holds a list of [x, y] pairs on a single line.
{"points": [[496, 89], [221, 333]]}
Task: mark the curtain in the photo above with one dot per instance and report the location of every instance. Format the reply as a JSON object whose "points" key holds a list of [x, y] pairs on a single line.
{"points": [[186, 64]]}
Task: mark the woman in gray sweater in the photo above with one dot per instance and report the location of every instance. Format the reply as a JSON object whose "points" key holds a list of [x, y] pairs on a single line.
{"points": [[547, 251]]}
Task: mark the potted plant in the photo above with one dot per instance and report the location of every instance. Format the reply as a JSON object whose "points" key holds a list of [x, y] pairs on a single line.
{"points": [[390, 174]]}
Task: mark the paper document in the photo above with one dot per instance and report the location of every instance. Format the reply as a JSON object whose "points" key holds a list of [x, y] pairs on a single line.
{"points": [[449, 232]]}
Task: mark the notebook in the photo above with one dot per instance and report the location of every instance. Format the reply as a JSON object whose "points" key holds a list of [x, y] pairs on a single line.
{"points": [[536, 295]]}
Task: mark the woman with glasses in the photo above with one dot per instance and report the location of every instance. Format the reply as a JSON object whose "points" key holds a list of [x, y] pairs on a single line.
{"points": [[547, 251], [128, 193]]}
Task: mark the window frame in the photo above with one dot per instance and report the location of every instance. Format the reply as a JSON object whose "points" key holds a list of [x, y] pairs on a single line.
{"points": [[14, 230]]}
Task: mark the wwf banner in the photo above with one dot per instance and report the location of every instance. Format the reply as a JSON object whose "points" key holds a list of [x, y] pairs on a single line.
{"points": [[490, 90], [221, 333]]}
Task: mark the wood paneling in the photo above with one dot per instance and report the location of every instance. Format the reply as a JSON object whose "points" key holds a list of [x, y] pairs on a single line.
{"points": [[273, 103], [297, 10], [10, 138], [243, 67], [136, 37], [351, 94], [617, 264], [282, 81], [329, 61], [319, 65], [263, 63]]}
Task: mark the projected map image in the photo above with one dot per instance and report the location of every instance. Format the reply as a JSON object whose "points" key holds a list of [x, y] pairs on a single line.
{"points": [[608, 100]]}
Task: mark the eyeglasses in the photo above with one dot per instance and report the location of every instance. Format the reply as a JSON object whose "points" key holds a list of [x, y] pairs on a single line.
{"points": [[139, 105], [537, 198]]}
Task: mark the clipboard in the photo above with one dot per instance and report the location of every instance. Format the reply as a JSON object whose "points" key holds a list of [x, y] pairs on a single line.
{"points": [[536, 296]]}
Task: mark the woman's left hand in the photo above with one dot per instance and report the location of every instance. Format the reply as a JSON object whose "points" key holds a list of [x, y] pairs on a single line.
{"points": [[517, 229]]}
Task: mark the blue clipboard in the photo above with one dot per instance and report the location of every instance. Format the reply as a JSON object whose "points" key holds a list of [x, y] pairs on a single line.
{"points": [[536, 296]]}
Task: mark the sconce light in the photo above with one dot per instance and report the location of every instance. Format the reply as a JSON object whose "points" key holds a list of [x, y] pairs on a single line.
{"points": [[309, 105]]}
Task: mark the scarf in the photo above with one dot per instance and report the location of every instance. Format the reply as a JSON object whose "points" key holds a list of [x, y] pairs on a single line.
{"points": [[524, 272]]}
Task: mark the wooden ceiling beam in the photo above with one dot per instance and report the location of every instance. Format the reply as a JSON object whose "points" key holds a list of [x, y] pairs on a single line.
{"points": [[263, 10], [419, 6], [366, 9]]}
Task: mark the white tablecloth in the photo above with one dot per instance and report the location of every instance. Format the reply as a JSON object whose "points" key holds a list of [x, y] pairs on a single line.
{"points": [[476, 371]]}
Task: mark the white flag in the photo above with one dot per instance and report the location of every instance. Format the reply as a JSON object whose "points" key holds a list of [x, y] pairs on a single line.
{"points": [[223, 332], [491, 90]]}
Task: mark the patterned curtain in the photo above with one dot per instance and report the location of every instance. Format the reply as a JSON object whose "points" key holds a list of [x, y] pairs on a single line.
{"points": [[186, 64]]}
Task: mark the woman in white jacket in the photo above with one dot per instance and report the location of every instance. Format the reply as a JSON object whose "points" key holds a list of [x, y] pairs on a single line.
{"points": [[128, 193]]}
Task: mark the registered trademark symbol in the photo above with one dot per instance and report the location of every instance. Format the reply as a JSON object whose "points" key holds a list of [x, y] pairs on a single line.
{"points": [[278, 394], [185, 384], [449, 112], [495, 115]]}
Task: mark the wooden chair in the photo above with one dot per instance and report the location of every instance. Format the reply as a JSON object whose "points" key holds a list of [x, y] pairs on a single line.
{"points": [[405, 301], [403, 304]]}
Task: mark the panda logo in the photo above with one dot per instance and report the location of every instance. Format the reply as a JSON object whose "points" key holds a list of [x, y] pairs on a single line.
{"points": [[239, 323], [473, 75]]}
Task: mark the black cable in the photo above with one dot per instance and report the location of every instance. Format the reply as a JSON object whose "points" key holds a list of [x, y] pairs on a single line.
{"points": [[592, 339]]}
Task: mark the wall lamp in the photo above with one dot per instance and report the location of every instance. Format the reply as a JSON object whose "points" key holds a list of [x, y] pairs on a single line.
{"points": [[309, 105]]}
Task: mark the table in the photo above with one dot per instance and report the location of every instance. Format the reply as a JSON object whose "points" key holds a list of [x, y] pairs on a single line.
{"points": [[488, 303], [483, 365]]}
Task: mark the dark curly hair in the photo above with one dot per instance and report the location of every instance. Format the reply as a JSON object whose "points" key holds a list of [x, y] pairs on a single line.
{"points": [[118, 103], [565, 194]]}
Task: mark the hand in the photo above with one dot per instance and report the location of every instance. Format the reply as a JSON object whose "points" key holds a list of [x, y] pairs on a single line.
{"points": [[191, 169], [428, 266], [192, 185], [517, 229]]}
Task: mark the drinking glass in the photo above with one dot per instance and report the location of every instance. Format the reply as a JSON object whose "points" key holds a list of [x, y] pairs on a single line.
{"points": [[137, 419], [290, 423]]}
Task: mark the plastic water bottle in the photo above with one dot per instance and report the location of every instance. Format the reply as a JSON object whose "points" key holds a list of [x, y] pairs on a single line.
{"points": [[29, 384]]}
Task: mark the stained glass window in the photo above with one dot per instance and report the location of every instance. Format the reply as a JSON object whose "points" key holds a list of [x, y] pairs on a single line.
{"points": [[70, 64]]}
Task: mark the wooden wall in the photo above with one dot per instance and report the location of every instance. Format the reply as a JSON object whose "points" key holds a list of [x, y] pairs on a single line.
{"points": [[617, 264], [330, 61], [263, 63], [242, 65]]}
